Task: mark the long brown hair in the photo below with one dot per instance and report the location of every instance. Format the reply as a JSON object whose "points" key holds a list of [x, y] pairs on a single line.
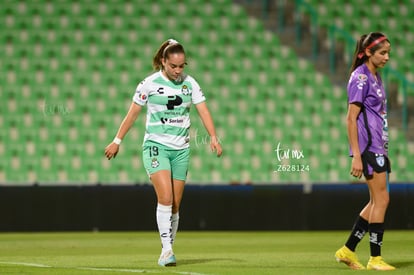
{"points": [[372, 41], [168, 47]]}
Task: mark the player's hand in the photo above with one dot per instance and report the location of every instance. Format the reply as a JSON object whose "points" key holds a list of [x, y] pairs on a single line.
{"points": [[356, 167], [216, 146], [111, 150]]}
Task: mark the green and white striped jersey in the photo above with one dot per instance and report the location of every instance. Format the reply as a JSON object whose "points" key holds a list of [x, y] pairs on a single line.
{"points": [[168, 108]]}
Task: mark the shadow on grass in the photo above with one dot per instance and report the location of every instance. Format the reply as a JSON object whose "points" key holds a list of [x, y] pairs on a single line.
{"points": [[399, 265], [204, 260]]}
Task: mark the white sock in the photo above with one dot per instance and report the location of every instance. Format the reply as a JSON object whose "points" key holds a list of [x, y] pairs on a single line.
{"points": [[174, 222], [164, 217]]}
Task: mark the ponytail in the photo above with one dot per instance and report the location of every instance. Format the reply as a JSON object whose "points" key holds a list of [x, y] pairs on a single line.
{"points": [[168, 47]]}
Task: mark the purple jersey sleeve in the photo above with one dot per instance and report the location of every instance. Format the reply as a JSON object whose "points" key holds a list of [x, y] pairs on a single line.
{"points": [[357, 87]]}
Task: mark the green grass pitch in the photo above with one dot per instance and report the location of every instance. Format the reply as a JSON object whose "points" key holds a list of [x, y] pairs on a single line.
{"points": [[198, 253]]}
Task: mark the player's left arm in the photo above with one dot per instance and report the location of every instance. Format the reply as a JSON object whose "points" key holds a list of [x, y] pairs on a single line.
{"points": [[208, 123]]}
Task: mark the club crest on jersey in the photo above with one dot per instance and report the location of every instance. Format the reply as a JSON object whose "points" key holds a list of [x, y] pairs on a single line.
{"points": [[380, 159], [185, 90], [155, 163], [362, 79]]}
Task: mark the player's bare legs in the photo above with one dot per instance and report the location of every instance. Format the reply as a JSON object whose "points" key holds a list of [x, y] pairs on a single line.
{"points": [[375, 210]]}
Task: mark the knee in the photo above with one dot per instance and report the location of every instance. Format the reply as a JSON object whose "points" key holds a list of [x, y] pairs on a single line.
{"points": [[165, 200], [384, 199]]}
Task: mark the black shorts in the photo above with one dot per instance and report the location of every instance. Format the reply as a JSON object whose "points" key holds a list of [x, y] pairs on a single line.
{"points": [[375, 162]]}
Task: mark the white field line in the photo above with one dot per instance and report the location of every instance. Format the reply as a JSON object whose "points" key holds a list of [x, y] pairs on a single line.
{"points": [[26, 264], [127, 270]]}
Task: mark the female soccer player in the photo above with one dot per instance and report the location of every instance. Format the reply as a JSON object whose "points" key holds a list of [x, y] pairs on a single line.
{"points": [[168, 94], [368, 138]]}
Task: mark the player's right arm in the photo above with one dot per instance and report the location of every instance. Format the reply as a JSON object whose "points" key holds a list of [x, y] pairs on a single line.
{"points": [[357, 91], [112, 149]]}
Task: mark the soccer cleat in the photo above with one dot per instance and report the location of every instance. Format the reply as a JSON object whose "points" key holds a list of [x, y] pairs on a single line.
{"points": [[348, 257], [167, 259], [377, 263]]}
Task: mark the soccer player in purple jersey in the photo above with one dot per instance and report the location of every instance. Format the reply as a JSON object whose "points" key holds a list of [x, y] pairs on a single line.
{"points": [[368, 139]]}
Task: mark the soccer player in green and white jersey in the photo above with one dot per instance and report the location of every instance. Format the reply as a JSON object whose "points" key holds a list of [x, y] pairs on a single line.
{"points": [[168, 94]]}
